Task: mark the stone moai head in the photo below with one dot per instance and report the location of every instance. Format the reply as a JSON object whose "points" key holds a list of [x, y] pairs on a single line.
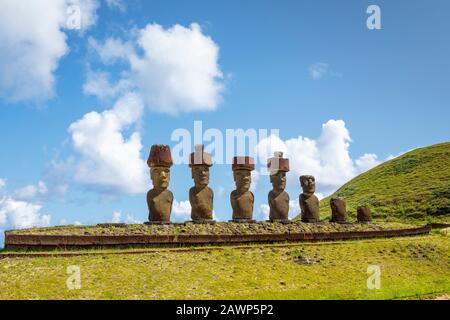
{"points": [[159, 199], [278, 166], [363, 213], [160, 161], [242, 173], [338, 210], [200, 162], [308, 184]]}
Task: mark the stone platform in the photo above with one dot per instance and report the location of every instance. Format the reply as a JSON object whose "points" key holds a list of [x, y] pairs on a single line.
{"points": [[189, 234]]}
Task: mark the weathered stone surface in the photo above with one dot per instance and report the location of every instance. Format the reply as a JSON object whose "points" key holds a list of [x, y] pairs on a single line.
{"points": [[160, 156], [338, 210], [242, 198], [201, 196], [160, 199], [309, 203], [278, 198], [364, 214]]}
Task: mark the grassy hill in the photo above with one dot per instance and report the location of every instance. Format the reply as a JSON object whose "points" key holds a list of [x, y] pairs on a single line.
{"points": [[412, 187], [410, 267]]}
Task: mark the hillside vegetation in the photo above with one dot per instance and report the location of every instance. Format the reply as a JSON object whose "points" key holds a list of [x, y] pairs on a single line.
{"points": [[412, 187], [410, 267]]}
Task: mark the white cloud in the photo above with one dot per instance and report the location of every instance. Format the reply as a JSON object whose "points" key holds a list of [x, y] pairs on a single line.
{"points": [[31, 192], [367, 162], [32, 42], [318, 70], [116, 218], [111, 50], [263, 213], [117, 4], [20, 214], [88, 10], [108, 158], [326, 158], [181, 211], [98, 84], [294, 208], [177, 71], [256, 175]]}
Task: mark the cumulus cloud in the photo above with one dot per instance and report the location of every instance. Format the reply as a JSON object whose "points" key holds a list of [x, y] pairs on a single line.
{"points": [[176, 69], [32, 42], [18, 214], [21, 214], [109, 159], [170, 70], [327, 158], [181, 210], [117, 4], [367, 162], [31, 192], [98, 84], [112, 49]]}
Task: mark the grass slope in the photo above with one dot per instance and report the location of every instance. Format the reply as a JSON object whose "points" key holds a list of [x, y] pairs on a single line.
{"points": [[410, 267], [412, 187]]}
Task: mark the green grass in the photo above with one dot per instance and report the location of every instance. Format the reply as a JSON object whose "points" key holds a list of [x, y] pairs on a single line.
{"points": [[414, 187], [410, 267]]}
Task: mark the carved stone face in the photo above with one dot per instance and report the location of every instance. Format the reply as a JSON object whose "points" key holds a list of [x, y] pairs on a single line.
{"points": [[160, 177], [243, 180], [278, 180], [200, 174], [308, 184]]}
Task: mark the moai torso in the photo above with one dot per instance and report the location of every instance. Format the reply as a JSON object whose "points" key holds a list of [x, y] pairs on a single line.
{"points": [[364, 214], [242, 205], [159, 205], [309, 205], [279, 206], [201, 203], [338, 210]]}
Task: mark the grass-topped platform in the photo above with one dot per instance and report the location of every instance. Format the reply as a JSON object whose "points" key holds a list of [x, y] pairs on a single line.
{"points": [[106, 235]]}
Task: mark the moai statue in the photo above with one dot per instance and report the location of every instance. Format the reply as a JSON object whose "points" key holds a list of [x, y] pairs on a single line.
{"points": [[338, 210], [363, 214], [242, 198], [309, 204], [201, 196], [278, 198], [159, 199]]}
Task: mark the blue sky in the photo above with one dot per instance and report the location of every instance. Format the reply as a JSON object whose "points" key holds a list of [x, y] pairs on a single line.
{"points": [[389, 88]]}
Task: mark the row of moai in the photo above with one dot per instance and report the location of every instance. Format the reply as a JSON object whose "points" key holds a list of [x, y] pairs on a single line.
{"points": [[159, 199]]}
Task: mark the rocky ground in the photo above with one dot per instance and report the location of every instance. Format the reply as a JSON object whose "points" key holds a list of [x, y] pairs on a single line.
{"points": [[226, 228]]}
